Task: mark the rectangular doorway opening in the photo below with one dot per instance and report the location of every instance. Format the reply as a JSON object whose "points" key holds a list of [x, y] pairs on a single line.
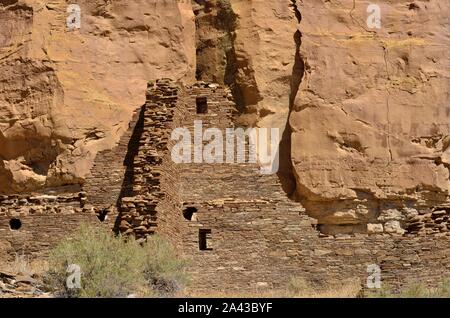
{"points": [[202, 105], [204, 240]]}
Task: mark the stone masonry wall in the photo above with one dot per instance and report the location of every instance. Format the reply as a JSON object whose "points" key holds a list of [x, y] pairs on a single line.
{"points": [[258, 238], [255, 236], [236, 226], [154, 202], [33, 224]]}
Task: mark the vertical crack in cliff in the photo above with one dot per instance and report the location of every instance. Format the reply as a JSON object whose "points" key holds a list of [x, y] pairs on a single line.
{"points": [[286, 171], [388, 128], [232, 66], [355, 21], [217, 59]]}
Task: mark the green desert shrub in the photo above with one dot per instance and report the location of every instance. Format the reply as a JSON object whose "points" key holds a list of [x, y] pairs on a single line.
{"points": [[162, 269], [112, 266]]}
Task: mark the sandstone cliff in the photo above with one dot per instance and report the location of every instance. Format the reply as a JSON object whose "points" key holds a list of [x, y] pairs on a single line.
{"points": [[365, 112], [367, 140], [66, 94], [371, 118]]}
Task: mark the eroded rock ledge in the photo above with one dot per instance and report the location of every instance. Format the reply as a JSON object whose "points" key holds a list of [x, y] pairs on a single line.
{"points": [[371, 118]]}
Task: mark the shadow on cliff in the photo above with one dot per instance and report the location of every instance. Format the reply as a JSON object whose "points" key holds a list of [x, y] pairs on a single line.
{"points": [[286, 169], [128, 179]]}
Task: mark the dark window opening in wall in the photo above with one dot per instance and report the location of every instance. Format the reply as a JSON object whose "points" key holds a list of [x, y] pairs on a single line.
{"points": [[102, 215], [15, 224], [204, 240], [202, 105], [189, 212]]}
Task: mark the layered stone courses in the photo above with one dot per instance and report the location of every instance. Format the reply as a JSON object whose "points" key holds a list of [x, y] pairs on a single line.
{"points": [[258, 238], [43, 221], [138, 213], [255, 236]]}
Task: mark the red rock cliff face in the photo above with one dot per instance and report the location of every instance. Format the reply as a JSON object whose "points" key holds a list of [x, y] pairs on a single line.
{"points": [[365, 111]]}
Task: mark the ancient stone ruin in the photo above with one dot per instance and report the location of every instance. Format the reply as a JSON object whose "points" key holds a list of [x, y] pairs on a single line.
{"points": [[238, 227]]}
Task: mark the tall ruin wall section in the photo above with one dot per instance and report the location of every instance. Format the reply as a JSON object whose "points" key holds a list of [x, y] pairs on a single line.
{"points": [[153, 203]]}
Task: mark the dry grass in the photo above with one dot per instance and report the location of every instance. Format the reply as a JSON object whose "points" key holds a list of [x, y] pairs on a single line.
{"points": [[300, 288], [233, 294], [415, 290], [23, 265], [297, 288]]}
